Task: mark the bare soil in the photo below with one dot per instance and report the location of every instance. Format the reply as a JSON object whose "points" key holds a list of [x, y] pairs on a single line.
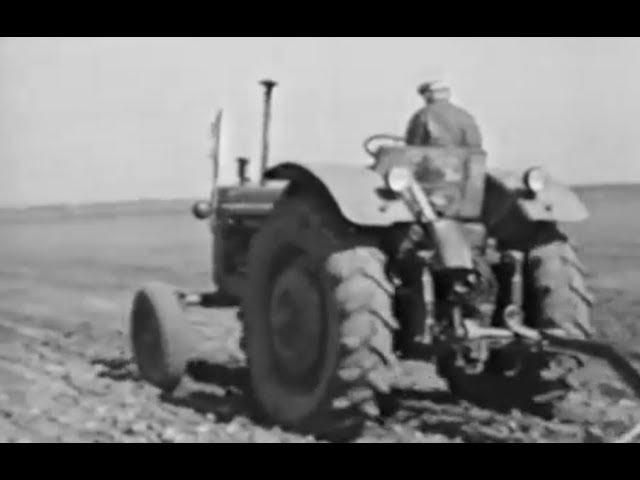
{"points": [[67, 279]]}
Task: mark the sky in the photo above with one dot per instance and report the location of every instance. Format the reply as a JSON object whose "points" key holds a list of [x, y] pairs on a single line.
{"points": [[103, 119]]}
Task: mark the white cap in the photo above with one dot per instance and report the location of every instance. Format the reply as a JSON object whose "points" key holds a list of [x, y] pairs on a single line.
{"points": [[431, 86]]}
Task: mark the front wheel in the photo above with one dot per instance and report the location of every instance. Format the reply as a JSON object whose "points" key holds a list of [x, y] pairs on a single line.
{"points": [[556, 296], [160, 335]]}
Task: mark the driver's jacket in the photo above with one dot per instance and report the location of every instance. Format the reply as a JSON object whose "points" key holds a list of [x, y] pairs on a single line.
{"points": [[443, 124]]}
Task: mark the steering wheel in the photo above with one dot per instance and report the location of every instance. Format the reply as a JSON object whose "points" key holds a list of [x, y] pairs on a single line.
{"points": [[380, 136]]}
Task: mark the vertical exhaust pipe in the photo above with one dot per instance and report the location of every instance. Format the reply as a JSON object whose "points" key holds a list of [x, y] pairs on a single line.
{"points": [[266, 120]]}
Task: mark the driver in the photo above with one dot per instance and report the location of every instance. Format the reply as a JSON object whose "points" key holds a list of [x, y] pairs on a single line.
{"points": [[440, 122]]}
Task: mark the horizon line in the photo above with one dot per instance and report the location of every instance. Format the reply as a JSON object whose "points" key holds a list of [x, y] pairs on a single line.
{"points": [[195, 198]]}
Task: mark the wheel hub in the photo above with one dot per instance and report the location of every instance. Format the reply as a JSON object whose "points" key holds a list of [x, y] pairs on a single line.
{"points": [[295, 316]]}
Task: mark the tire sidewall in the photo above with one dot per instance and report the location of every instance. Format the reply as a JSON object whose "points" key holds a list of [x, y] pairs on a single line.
{"points": [[290, 228]]}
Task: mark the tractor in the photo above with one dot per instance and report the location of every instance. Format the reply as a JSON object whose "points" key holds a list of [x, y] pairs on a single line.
{"points": [[340, 272]]}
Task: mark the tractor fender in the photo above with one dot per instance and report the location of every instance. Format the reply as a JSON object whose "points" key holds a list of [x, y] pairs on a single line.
{"points": [[362, 198], [505, 191], [510, 212], [358, 192]]}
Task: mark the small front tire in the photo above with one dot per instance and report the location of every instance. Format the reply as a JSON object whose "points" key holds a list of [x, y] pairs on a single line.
{"points": [[160, 337]]}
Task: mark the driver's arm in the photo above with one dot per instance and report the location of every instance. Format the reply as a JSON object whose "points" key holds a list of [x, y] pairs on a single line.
{"points": [[417, 132]]}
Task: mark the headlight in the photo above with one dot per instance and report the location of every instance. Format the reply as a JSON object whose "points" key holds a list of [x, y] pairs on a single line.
{"points": [[399, 178], [535, 179], [202, 210]]}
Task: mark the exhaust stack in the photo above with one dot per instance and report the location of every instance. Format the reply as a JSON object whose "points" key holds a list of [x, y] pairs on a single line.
{"points": [[266, 120]]}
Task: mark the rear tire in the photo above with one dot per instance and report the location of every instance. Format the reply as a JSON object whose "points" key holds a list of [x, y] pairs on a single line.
{"points": [[160, 337], [557, 291], [556, 296], [329, 387]]}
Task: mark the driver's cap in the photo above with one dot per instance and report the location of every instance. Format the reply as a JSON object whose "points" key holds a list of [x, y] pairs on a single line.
{"points": [[431, 86]]}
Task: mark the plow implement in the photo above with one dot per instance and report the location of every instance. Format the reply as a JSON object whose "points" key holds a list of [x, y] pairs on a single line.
{"points": [[619, 359]]}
